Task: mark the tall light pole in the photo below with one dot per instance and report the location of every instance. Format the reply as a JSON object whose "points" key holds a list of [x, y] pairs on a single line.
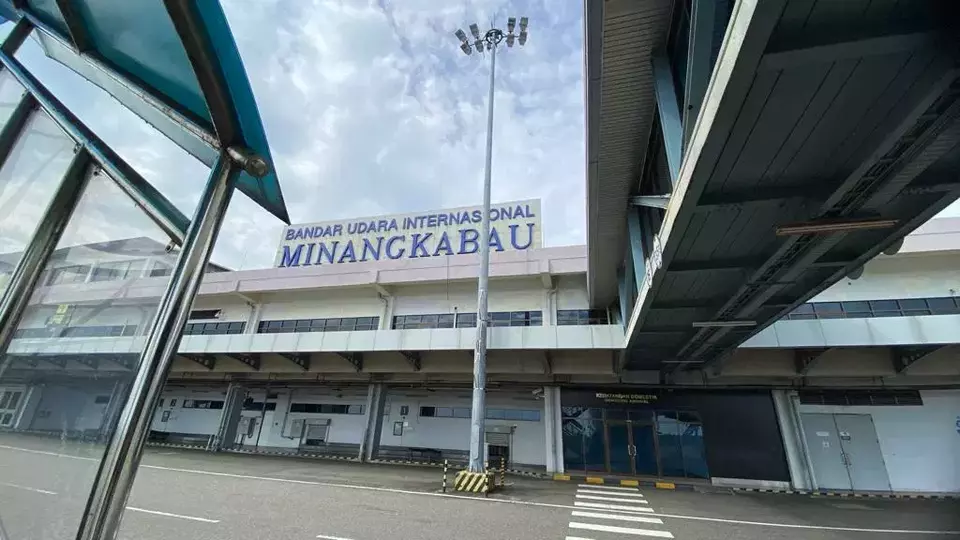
{"points": [[489, 41]]}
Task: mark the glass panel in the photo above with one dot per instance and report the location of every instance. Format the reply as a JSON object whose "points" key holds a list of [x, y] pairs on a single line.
{"points": [[913, 303], [572, 431], [619, 437], [942, 305], [27, 182], [65, 399], [668, 433], [594, 455], [694, 456], [10, 93], [646, 458]]}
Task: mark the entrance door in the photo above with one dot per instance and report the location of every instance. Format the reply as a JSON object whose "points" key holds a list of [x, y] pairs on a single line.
{"points": [[865, 464], [644, 449], [619, 447], [9, 401], [823, 443]]}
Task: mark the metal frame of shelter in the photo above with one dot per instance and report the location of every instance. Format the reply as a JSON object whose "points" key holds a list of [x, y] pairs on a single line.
{"points": [[231, 128]]}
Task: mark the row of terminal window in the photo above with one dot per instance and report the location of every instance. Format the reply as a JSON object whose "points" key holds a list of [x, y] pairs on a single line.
{"points": [[904, 307], [523, 415]]}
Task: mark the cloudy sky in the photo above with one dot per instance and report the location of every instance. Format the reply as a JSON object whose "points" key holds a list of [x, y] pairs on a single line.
{"points": [[371, 108]]}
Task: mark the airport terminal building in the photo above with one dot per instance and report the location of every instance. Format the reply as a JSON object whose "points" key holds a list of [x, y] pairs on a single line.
{"points": [[359, 343]]}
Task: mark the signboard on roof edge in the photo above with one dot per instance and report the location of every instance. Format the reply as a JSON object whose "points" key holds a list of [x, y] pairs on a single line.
{"points": [[514, 226]]}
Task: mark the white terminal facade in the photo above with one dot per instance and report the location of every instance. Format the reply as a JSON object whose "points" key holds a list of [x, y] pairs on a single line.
{"points": [[856, 390]]}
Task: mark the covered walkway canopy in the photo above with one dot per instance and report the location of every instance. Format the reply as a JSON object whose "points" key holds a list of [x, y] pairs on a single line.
{"points": [[732, 178], [175, 64]]}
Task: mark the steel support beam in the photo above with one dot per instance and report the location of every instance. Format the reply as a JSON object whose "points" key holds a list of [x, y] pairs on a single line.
{"points": [[834, 49], [715, 265], [15, 125], [669, 113], [413, 358], [639, 259], [737, 198], [807, 359], [300, 359], [624, 299], [88, 360], [251, 360], [355, 359], [75, 25], [121, 458], [204, 360], [651, 201], [906, 358], [703, 21]]}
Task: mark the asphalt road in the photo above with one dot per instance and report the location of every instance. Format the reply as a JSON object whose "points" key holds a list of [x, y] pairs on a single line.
{"points": [[186, 494]]}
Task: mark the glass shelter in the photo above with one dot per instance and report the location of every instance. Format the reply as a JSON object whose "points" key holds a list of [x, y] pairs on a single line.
{"points": [[72, 210]]}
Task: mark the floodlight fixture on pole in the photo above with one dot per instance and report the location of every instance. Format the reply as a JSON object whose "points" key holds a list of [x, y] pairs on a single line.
{"points": [[490, 39]]}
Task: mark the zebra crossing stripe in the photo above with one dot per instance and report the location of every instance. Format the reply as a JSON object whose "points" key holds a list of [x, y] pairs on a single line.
{"points": [[611, 499], [620, 530], [616, 507], [617, 517]]}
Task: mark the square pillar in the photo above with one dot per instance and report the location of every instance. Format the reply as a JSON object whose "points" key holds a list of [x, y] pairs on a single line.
{"points": [[376, 401], [229, 418], [553, 429], [793, 441]]}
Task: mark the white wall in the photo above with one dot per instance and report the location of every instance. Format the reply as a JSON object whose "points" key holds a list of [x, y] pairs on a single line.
{"points": [[85, 315], [572, 292], [527, 445], [189, 421], [62, 408], [920, 445], [322, 304]]}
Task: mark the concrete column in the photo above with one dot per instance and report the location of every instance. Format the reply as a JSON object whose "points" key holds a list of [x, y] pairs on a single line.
{"points": [[254, 320], [552, 427], [386, 320], [117, 398], [229, 418], [792, 434], [376, 401]]}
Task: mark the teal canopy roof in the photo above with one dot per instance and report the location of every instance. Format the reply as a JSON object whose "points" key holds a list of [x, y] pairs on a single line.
{"points": [[173, 62]]}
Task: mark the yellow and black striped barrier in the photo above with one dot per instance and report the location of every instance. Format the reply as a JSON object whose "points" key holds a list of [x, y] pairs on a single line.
{"points": [[473, 482]]}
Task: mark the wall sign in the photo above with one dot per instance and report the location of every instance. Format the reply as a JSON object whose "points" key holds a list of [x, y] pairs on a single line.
{"points": [[514, 226], [627, 398]]}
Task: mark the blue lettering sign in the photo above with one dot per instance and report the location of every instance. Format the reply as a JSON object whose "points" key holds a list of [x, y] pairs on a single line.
{"points": [[432, 221], [324, 251], [291, 259], [476, 216], [309, 256], [513, 236], [348, 252], [290, 233], [390, 242], [418, 249], [368, 248], [472, 241], [495, 239], [443, 245]]}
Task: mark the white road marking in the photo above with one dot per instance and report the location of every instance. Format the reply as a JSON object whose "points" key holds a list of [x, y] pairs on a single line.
{"points": [[332, 537], [167, 514], [612, 488], [510, 501], [618, 494], [611, 499], [618, 517], [26, 488], [578, 538], [620, 530], [603, 506]]}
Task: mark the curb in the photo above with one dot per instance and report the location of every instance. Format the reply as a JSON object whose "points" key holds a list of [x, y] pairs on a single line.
{"points": [[852, 494], [624, 482]]}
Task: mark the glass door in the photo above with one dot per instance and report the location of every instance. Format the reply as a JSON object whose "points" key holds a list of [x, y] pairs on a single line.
{"points": [[619, 447], [644, 449], [9, 401]]}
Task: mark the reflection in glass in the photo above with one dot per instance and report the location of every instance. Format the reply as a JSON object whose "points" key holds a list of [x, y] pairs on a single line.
{"points": [[671, 456], [646, 458], [69, 388], [572, 432], [694, 457], [10, 94], [594, 454], [28, 179], [620, 458]]}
